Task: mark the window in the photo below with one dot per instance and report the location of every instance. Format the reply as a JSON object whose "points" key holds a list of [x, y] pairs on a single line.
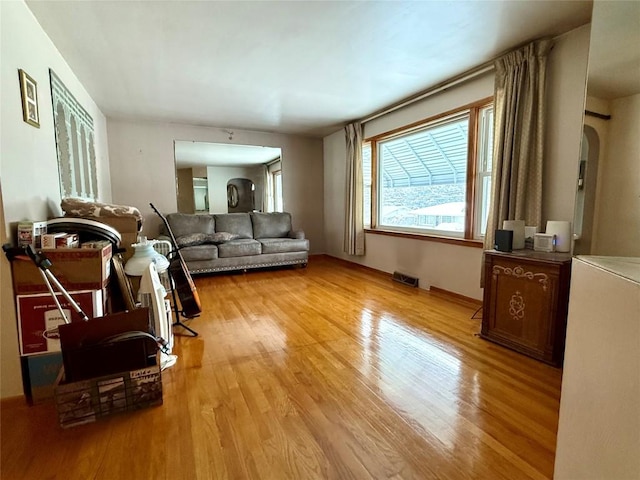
{"points": [[277, 191], [201, 194], [432, 178]]}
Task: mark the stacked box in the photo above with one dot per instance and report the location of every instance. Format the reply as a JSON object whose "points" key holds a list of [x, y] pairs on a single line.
{"points": [[95, 244], [49, 239], [30, 233], [39, 318], [75, 269], [60, 240], [39, 373], [70, 240], [86, 401], [128, 227]]}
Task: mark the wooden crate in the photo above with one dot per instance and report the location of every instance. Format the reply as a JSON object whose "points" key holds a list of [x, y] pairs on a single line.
{"points": [[86, 401]]}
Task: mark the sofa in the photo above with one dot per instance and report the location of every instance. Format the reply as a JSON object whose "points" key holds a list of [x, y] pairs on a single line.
{"points": [[237, 241]]}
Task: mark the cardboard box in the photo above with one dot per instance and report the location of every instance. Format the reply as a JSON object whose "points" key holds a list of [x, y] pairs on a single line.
{"points": [[49, 240], [39, 317], [75, 268], [129, 229], [70, 240], [86, 401], [99, 244], [30, 233], [39, 374]]}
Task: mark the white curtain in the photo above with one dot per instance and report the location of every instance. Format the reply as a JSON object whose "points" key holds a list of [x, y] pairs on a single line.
{"points": [[354, 227], [519, 124]]}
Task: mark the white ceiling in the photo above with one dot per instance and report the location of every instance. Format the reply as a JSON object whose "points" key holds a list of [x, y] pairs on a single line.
{"points": [[202, 154], [614, 53], [305, 67]]}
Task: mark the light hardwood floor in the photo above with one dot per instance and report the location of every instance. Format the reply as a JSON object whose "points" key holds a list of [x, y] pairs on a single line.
{"points": [[332, 371]]}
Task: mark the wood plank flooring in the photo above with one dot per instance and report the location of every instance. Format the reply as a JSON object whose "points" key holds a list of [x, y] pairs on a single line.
{"points": [[328, 372]]}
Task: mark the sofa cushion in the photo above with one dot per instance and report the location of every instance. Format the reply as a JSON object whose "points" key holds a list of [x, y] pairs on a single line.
{"points": [[199, 252], [283, 245], [239, 248], [271, 225], [185, 224], [238, 223]]}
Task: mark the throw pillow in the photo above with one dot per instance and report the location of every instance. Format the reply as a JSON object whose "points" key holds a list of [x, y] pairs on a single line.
{"points": [[191, 239], [220, 237], [78, 207]]}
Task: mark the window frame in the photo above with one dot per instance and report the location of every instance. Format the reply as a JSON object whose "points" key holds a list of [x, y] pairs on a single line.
{"points": [[482, 173], [471, 235]]}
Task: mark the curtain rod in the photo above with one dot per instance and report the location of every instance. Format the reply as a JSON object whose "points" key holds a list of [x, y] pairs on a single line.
{"points": [[463, 77], [597, 115]]}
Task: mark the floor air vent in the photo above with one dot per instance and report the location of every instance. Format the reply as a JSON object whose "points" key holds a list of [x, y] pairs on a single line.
{"points": [[406, 279]]}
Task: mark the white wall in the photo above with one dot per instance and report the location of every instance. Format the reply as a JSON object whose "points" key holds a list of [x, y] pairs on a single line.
{"points": [[219, 176], [593, 146], [184, 190], [566, 84], [452, 267], [617, 229], [143, 170], [28, 161]]}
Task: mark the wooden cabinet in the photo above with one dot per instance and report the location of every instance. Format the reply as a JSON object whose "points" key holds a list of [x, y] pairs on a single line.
{"points": [[526, 295]]}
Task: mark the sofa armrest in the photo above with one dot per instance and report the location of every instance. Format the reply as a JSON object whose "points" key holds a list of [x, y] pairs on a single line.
{"points": [[297, 234]]}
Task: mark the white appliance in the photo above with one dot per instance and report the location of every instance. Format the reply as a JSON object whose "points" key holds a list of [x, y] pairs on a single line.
{"points": [[152, 294], [543, 242]]}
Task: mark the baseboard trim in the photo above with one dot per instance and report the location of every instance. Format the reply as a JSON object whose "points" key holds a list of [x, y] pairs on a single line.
{"points": [[457, 296], [13, 400], [357, 265], [439, 291]]}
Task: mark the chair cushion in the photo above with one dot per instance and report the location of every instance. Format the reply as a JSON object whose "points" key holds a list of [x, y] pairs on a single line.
{"points": [[271, 225], [239, 248], [238, 223], [283, 245]]}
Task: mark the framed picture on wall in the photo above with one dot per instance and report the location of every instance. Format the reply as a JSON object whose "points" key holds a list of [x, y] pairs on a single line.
{"points": [[29, 92]]}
